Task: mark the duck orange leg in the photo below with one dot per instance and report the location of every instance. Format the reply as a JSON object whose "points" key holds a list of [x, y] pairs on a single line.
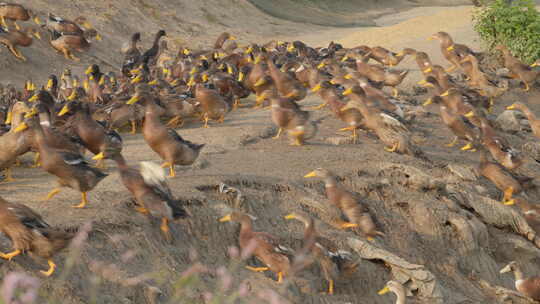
{"points": [[330, 287], [165, 229], [9, 178], [322, 105], [278, 133], [84, 201], [50, 271], [257, 269], [280, 277], [133, 127], [507, 199], [11, 255], [393, 148], [346, 225], [51, 194], [206, 118]]}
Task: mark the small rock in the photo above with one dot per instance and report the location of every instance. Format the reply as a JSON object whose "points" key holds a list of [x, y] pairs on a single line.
{"points": [[200, 164], [509, 121], [463, 172], [339, 140], [480, 189], [532, 149]]}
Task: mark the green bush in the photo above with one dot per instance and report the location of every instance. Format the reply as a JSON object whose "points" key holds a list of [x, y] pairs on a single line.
{"points": [[513, 23]]}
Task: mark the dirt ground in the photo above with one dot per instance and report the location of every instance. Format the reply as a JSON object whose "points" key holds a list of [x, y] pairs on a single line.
{"points": [[421, 206]]}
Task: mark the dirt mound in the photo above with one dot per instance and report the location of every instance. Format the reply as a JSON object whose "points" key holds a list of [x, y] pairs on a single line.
{"points": [[446, 234]]}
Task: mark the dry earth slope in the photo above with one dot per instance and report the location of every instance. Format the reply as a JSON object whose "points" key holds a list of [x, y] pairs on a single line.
{"points": [[444, 228]]}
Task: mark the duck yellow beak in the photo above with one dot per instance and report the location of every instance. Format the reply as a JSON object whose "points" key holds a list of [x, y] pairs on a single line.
{"points": [[290, 216], [258, 59], [88, 70], [311, 174], [99, 156], [241, 76], [400, 54], [422, 82], [33, 98], [136, 79], [535, 64], [166, 71], [261, 97], [348, 76], [232, 38], [98, 37], [204, 77], [428, 102], [31, 113], [49, 84], [345, 58], [512, 107], [290, 48], [226, 218], [428, 70], [37, 35], [135, 98], [260, 82], [153, 82], [445, 93], [23, 126], [383, 291], [186, 52], [333, 81], [9, 118], [317, 88], [193, 71], [230, 70], [469, 115], [321, 65], [65, 109], [86, 85], [450, 48], [347, 92], [431, 38], [191, 82], [36, 20], [249, 50], [72, 96]]}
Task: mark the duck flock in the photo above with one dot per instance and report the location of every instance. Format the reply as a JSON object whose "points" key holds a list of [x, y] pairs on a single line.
{"points": [[159, 91]]}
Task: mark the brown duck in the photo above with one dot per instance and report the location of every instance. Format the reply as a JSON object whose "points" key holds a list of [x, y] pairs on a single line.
{"points": [[503, 179], [453, 52], [152, 194], [168, 144], [18, 38], [331, 263], [356, 214], [70, 168], [529, 287], [518, 69], [94, 135], [265, 247], [213, 105], [28, 232], [388, 129], [15, 12], [533, 120], [287, 115]]}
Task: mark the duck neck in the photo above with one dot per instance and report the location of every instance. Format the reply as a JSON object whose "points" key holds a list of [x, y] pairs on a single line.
{"points": [[530, 115], [120, 162], [17, 119], [400, 296], [246, 226], [518, 274], [330, 182], [45, 119], [156, 40]]}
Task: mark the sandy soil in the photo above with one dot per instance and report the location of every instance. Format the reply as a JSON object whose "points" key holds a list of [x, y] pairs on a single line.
{"points": [[269, 174]]}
